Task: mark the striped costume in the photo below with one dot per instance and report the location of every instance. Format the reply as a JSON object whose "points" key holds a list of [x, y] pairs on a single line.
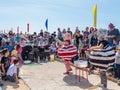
{"points": [[67, 52], [103, 59]]}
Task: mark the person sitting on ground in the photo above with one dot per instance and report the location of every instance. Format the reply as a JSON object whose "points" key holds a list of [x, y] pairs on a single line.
{"points": [[19, 49], [13, 56], [12, 72], [5, 63]]}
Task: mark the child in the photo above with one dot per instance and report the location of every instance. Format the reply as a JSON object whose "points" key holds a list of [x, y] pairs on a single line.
{"points": [[53, 49], [18, 48], [117, 64], [115, 43], [13, 56], [5, 63], [12, 72]]}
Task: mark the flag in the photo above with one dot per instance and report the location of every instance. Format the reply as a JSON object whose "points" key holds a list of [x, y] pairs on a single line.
{"points": [[18, 29], [46, 24], [94, 12], [28, 27], [4, 31], [1, 31]]}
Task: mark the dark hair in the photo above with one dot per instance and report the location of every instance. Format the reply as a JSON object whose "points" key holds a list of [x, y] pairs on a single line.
{"points": [[15, 61], [4, 51], [17, 47], [7, 43]]}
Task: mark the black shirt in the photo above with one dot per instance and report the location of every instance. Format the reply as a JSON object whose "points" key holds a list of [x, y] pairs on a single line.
{"points": [[78, 38], [104, 43], [6, 62]]}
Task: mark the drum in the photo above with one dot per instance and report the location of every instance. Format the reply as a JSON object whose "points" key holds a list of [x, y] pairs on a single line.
{"points": [[81, 63]]}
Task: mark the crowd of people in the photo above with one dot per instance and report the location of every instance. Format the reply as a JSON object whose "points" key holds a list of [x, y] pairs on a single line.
{"points": [[16, 48]]}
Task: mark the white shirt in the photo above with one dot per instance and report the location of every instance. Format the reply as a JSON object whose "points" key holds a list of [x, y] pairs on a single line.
{"points": [[12, 70], [117, 58]]}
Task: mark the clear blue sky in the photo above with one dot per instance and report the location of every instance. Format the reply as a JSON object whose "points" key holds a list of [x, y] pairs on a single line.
{"points": [[60, 13]]}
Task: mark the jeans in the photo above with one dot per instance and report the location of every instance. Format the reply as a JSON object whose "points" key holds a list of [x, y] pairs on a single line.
{"points": [[103, 77], [117, 71], [11, 78]]}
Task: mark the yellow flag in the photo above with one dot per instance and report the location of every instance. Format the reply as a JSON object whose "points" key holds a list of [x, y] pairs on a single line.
{"points": [[94, 12]]}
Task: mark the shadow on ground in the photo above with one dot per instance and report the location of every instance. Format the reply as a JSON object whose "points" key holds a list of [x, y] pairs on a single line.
{"points": [[71, 80], [13, 86], [10, 84]]}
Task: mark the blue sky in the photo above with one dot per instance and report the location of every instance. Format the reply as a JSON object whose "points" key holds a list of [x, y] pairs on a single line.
{"points": [[60, 13]]}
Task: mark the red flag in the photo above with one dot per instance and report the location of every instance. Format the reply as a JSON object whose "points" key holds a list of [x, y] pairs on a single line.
{"points": [[28, 27], [18, 29]]}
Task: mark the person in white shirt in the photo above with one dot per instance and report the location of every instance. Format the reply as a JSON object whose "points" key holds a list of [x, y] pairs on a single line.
{"points": [[12, 72]]}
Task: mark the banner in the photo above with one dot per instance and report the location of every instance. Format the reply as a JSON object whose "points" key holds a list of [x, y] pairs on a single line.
{"points": [[1, 31], [94, 12], [46, 24], [18, 29], [28, 27]]}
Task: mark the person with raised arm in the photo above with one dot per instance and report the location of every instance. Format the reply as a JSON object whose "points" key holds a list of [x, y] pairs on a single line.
{"points": [[66, 51]]}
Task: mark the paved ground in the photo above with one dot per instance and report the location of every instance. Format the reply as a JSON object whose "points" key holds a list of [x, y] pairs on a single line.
{"points": [[13, 86], [49, 76]]}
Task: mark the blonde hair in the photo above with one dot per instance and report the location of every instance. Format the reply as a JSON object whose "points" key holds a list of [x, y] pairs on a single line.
{"points": [[14, 53]]}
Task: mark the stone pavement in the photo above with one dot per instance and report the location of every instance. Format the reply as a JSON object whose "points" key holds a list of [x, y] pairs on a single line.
{"points": [[49, 76]]}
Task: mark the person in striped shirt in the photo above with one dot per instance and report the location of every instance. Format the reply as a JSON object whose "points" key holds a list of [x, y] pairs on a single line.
{"points": [[67, 51], [102, 57]]}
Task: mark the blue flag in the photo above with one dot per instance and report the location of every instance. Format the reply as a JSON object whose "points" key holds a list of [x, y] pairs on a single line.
{"points": [[46, 24]]}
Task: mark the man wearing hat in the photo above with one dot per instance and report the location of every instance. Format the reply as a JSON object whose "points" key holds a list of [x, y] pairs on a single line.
{"points": [[112, 33]]}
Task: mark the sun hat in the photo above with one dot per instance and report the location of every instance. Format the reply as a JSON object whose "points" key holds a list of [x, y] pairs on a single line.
{"points": [[111, 25]]}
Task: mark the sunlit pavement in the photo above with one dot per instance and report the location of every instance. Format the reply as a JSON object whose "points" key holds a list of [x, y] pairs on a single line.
{"points": [[49, 76]]}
